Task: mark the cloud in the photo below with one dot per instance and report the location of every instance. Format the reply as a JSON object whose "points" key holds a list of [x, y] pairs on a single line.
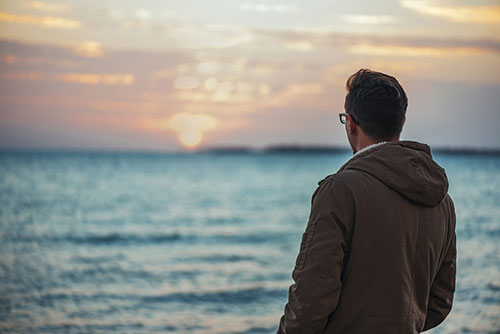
{"points": [[223, 92], [265, 7], [411, 51], [209, 36], [163, 74], [47, 7], [143, 14], [465, 14], [65, 58], [80, 78], [94, 79], [363, 43], [369, 19], [300, 45], [10, 59], [304, 89], [186, 82], [209, 67], [42, 21], [90, 49], [295, 94]]}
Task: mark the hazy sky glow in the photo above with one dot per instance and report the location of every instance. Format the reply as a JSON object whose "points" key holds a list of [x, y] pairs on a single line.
{"points": [[164, 75]]}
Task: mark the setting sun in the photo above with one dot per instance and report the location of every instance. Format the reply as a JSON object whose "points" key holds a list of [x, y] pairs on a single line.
{"points": [[190, 127], [190, 138]]}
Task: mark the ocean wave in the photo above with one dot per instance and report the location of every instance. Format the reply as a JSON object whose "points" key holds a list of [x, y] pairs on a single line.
{"points": [[105, 238], [121, 238], [97, 259], [218, 258], [103, 274], [237, 296], [226, 296], [495, 286], [259, 330]]}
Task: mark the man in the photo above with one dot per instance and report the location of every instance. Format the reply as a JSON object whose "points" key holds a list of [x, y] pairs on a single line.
{"points": [[378, 253]]}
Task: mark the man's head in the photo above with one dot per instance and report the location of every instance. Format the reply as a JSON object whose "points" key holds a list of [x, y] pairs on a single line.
{"points": [[377, 104]]}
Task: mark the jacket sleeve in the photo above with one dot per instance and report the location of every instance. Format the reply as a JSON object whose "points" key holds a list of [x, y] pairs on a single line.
{"points": [[443, 287], [317, 274]]}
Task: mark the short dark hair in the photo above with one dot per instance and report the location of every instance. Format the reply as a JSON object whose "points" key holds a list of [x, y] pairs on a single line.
{"points": [[378, 102]]}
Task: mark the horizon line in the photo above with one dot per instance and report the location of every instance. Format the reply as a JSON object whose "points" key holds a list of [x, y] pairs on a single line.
{"points": [[227, 149]]}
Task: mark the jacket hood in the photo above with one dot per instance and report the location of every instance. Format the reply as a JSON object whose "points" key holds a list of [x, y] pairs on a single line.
{"points": [[406, 167]]}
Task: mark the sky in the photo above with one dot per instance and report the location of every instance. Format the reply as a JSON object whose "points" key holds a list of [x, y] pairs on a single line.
{"points": [[180, 75]]}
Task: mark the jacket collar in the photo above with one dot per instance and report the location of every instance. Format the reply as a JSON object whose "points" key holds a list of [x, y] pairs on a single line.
{"points": [[375, 147]]}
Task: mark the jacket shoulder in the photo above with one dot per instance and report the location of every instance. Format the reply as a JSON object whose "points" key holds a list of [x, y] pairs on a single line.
{"points": [[343, 177], [338, 186]]}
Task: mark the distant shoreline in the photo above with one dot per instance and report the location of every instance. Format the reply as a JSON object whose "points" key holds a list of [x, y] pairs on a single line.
{"points": [[341, 149], [271, 149]]}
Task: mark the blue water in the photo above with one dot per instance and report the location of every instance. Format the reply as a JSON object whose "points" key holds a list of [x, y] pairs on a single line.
{"points": [[195, 243]]}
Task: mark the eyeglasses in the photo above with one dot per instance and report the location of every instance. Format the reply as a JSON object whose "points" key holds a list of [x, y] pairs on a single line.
{"points": [[343, 118]]}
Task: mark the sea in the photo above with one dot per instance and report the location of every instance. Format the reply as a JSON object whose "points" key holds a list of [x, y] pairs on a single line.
{"points": [[196, 243]]}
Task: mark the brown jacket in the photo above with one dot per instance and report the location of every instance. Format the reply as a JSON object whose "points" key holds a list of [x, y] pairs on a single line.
{"points": [[378, 254]]}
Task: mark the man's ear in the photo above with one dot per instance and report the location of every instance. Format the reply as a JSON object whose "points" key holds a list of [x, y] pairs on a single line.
{"points": [[351, 126]]}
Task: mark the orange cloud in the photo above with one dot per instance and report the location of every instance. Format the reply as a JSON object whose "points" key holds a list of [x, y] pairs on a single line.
{"points": [[90, 49], [294, 94], [411, 51], [10, 59], [369, 19], [81, 78], [186, 82], [47, 7], [343, 40], [211, 36], [22, 75], [300, 45], [43, 21], [267, 7], [304, 89], [94, 79], [466, 14]]}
